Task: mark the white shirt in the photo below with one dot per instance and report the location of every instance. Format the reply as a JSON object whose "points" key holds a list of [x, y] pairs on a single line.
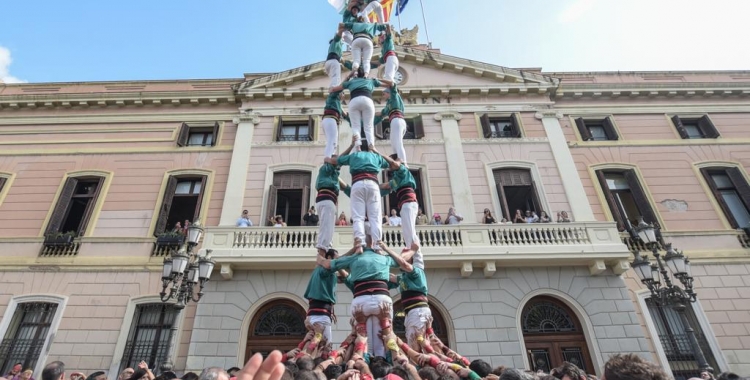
{"points": [[244, 222], [453, 219], [394, 221]]}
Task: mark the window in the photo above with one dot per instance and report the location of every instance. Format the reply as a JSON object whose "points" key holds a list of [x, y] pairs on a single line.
{"points": [[3, 180], [732, 192], [182, 201], [596, 129], [289, 196], [295, 129], [414, 129], [150, 335], [695, 128], [671, 334], [390, 201], [75, 205], [26, 334], [278, 325], [625, 197], [501, 127], [198, 135], [516, 191]]}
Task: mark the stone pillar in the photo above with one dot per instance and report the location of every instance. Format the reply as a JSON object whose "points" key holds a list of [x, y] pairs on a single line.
{"points": [[579, 204], [234, 195], [457, 172]]}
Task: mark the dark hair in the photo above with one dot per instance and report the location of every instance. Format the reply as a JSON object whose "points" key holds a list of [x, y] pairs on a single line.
{"points": [[97, 374], [380, 367], [305, 363], [306, 375], [394, 156], [331, 253], [360, 72], [515, 374], [137, 374], [291, 367], [481, 367], [287, 375], [401, 372], [428, 373], [570, 370], [546, 377], [632, 367], [333, 371], [729, 376], [52, 371], [19, 363], [190, 376], [445, 377], [498, 370]]}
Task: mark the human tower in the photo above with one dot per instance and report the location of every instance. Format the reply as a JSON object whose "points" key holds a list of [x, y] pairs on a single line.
{"points": [[365, 268]]}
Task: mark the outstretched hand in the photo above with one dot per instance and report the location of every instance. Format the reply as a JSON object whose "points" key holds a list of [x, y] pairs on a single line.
{"points": [[259, 369]]}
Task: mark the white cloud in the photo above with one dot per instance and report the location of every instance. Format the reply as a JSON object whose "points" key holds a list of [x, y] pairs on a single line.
{"points": [[5, 62], [575, 10]]}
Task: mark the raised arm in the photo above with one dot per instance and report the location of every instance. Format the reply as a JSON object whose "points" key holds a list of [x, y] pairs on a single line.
{"points": [[394, 165], [338, 88], [388, 83], [351, 146], [331, 160], [403, 264]]}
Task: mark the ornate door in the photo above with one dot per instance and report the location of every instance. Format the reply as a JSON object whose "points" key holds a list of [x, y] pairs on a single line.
{"points": [[278, 325]]}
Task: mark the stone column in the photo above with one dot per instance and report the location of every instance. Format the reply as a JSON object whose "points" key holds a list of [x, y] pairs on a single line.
{"points": [[234, 195], [579, 204], [463, 200]]}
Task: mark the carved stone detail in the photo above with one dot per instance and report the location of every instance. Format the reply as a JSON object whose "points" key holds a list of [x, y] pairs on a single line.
{"points": [[247, 116], [450, 115], [542, 113]]}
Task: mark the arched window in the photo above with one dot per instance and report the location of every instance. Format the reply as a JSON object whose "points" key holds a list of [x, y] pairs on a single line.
{"points": [[277, 325], [553, 335], [438, 323]]}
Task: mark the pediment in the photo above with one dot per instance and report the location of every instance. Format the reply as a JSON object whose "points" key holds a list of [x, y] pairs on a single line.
{"points": [[426, 72]]}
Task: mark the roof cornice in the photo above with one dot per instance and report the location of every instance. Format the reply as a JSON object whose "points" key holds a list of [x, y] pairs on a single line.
{"points": [[118, 99], [650, 90]]}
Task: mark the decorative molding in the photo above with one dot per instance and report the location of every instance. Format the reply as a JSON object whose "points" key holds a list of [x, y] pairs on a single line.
{"points": [[448, 115], [125, 99], [651, 90], [247, 116], [508, 140], [542, 113]]}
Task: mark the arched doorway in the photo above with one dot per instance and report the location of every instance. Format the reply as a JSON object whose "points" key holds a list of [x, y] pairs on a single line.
{"points": [[438, 322], [553, 335], [278, 325]]}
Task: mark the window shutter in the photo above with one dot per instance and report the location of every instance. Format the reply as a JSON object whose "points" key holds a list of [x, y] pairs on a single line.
{"points": [[639, 195], [90, 207], [310, 130], [678, 125], [583, 130], [418, 127], [535, 198], [619, 219], [182, 136], [708, 128], [503, 203], [417, 174], [2, 182], [741, 185], [305, 204], [271, 212], [215, 134], [485, 121], [379, 128], [166, 205], [199, 203], [61, 208], [515, 124], [279, 124], [609, 129], [717, 195]]}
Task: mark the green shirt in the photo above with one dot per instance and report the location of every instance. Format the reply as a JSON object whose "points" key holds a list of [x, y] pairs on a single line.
{"points": [[328, 178], [369, 265], [349, 17], [363, 162], [387, 46], [402, 178], [394, 103], [415, 281], [322, 285], [333, 102], [364, 27], [335, 46], [361, 84]]}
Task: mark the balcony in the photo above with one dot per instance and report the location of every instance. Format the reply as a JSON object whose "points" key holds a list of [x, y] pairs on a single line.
{"points": [[596, 245]]}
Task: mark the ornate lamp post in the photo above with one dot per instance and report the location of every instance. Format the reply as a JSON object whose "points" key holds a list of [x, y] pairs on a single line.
{"points": [[184, 270], [663, 291]]}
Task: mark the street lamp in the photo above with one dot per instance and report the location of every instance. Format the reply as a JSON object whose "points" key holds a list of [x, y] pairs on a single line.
{"points": [[663, 291], [184, 270]]}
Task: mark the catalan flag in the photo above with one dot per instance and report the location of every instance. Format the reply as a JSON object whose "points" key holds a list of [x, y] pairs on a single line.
{"points": [[387, 10]]}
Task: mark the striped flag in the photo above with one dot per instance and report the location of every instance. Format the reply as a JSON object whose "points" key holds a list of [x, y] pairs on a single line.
{"points": [[401, 6], [338, 4], [387, 9]]}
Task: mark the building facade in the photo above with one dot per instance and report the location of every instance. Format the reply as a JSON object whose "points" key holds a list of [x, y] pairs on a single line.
{"points": [[94, 177]]}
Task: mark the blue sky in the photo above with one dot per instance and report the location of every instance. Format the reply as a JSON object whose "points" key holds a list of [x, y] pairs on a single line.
{"points": [[95, 40]]}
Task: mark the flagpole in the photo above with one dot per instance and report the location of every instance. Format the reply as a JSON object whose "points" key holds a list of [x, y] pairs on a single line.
{"points": [[398, 7], [424, 20]]}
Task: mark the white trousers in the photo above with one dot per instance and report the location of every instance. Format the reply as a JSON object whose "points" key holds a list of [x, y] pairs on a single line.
{"points": [[362, 112], [347, 37], [327, 221], [408, 223], [365, 201], [362, 53], [376, 7], [333, 70], [325, 321], [331, 130], [371, 307], [416, 321], [391, 66], [398, 130]]}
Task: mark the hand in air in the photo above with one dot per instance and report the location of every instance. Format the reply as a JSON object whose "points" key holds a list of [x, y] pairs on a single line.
{"points": [[259, 369]]}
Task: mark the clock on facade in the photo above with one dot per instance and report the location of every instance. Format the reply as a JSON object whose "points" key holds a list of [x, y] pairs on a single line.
{"points": [[400, 77]]}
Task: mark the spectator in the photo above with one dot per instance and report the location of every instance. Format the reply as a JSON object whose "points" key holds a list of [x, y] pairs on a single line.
{"points": [[98, 375], [190, 376], [729, 376], [505, 221], [631, 366], [385, 219], [453, 217], [342, 220], [428, 373], [544, 218], [498, 371], [213, 373], [480, 367], [79, 376], [14, 371], [232, 372], [568, 371], [279, 222], [518, 218], [185, 226], [54, 371], [531, 217], [705, 375], [436, 220], [178, 228], [311, 218], [562, 217], [126, 373], [24, 375], [515, 374], [422, 219], [394, 219], [487, 218], [244, 220]]}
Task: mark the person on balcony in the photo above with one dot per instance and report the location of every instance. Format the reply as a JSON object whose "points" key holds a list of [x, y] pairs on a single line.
{"points": [[178, 229], [311, 217], [544, 218], [342, 220], [453, 217], [436, 220], [531, 217], [422, 219], [244, 220], [394, 220], [562, 217], [519, 218], [488, 218]]}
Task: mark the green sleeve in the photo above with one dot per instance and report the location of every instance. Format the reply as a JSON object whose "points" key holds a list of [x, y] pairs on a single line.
{"points": [[383, 163], [393, 184], [343, 160], [336, 38], [473, 376], [342, 262], [380, 27], [394, 285], [391, 262], [348, 191], [376, 83], [375, 64], [379, 119], [348, 64], [348, 25], [384, 192], [345, 84]]}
